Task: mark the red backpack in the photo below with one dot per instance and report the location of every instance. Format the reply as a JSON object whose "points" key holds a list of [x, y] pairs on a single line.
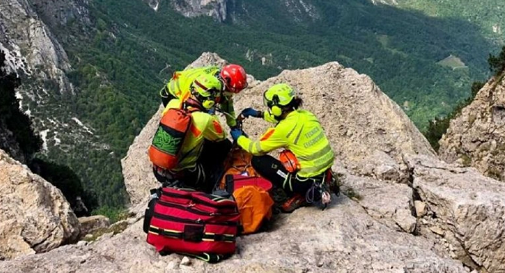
{"points": [[191, 222]]}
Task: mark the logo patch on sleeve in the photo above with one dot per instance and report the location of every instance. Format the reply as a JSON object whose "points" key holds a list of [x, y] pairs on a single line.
{"points": [[217, 127]]}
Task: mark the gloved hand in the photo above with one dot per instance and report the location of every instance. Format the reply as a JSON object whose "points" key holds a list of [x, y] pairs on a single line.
{"points": [[235, 133], [250, 112]]}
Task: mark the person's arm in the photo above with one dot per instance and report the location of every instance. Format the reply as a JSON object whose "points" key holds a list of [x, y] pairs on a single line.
{"points": [[227, 107], [271, 140], [251, 112], [165, 95], [214, 130]]}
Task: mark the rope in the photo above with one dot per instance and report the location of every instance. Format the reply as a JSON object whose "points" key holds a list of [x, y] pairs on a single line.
{"points": [[310, 195]]}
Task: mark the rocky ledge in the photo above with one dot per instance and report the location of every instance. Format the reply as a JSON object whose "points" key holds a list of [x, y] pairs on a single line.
{"points": [[404, 209]]}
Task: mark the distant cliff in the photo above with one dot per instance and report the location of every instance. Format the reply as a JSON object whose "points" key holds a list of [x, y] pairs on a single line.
{"points": [[35, 54], [236, 11], [16, 134]]}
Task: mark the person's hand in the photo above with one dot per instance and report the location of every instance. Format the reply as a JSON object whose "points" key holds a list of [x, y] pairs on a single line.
{"points": [[250, 112], [235, 133]]}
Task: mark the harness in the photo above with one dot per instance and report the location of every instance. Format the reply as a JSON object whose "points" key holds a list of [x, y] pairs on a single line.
{"points": [[319, 192]]}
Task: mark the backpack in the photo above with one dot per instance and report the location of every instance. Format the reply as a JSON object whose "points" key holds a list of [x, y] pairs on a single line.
{"points": [[192, 223], [239, 162], [169, 137], [250, 191], [254, 202]]}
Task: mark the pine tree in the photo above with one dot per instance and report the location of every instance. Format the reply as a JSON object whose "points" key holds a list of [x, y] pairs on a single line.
{"points": [[497, 63]]}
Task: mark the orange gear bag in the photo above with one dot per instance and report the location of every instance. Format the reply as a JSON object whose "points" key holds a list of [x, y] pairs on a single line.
{"points": [[250, 191], [239, 162], [254, 205], [168, 139]]}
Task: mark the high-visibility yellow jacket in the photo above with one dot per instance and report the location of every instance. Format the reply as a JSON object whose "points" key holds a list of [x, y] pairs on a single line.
{"points": [[180, 84], [203, 126], [301, 133]]}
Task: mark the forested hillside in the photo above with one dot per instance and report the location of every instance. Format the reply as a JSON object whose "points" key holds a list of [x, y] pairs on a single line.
{"points": [[425, 64], [488, 15]]}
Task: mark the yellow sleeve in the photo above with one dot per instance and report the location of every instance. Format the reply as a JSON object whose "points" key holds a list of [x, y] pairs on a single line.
{"points": [[227, 106], [214, 130], [269, 117], [272, 139], [174, 103]]}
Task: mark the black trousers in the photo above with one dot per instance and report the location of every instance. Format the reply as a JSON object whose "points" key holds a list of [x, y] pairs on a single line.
{"points": [[273, 170], [208, 170]]}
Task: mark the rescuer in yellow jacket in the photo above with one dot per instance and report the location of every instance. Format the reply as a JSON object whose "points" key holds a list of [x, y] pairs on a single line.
{"points": [[233, 78], [205, 145], [308, 154]]}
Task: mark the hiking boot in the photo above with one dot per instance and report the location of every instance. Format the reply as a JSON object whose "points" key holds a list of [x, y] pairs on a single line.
{"points": [[293, 203]]}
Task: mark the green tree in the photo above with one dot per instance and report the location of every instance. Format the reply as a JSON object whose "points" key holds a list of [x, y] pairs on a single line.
{"points": [[438, 126], [497, 63]]}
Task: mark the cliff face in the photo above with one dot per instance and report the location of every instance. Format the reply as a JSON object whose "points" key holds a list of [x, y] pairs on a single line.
{"points": [[477, 136], [34, 52], [9, 143], [32, 47], [37, 56], [213, 8], [216, 9], [233, 10]]}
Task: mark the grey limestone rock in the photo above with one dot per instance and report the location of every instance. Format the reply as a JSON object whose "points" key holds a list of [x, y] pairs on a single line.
{"points": [[34, 215]]}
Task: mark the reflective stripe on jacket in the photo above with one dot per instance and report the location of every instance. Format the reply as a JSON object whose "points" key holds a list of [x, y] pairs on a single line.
{"points": [[203, 126], [301, 133]]}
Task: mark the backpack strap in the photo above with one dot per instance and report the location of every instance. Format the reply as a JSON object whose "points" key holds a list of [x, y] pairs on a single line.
{"points": [[196, 105]]}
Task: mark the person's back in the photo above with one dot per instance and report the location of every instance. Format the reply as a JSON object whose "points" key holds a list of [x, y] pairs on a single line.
{"points": [[306, 139], [204, 146], [203, 127]]}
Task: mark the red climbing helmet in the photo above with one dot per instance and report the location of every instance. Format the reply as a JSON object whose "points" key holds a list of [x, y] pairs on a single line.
{"points": [[234, 78]]}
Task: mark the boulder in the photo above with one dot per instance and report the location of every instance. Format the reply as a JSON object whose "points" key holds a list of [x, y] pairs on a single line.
{"points": [[93, 223], [34, 215], [343, 238], [464, 207], [476, 137]]}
